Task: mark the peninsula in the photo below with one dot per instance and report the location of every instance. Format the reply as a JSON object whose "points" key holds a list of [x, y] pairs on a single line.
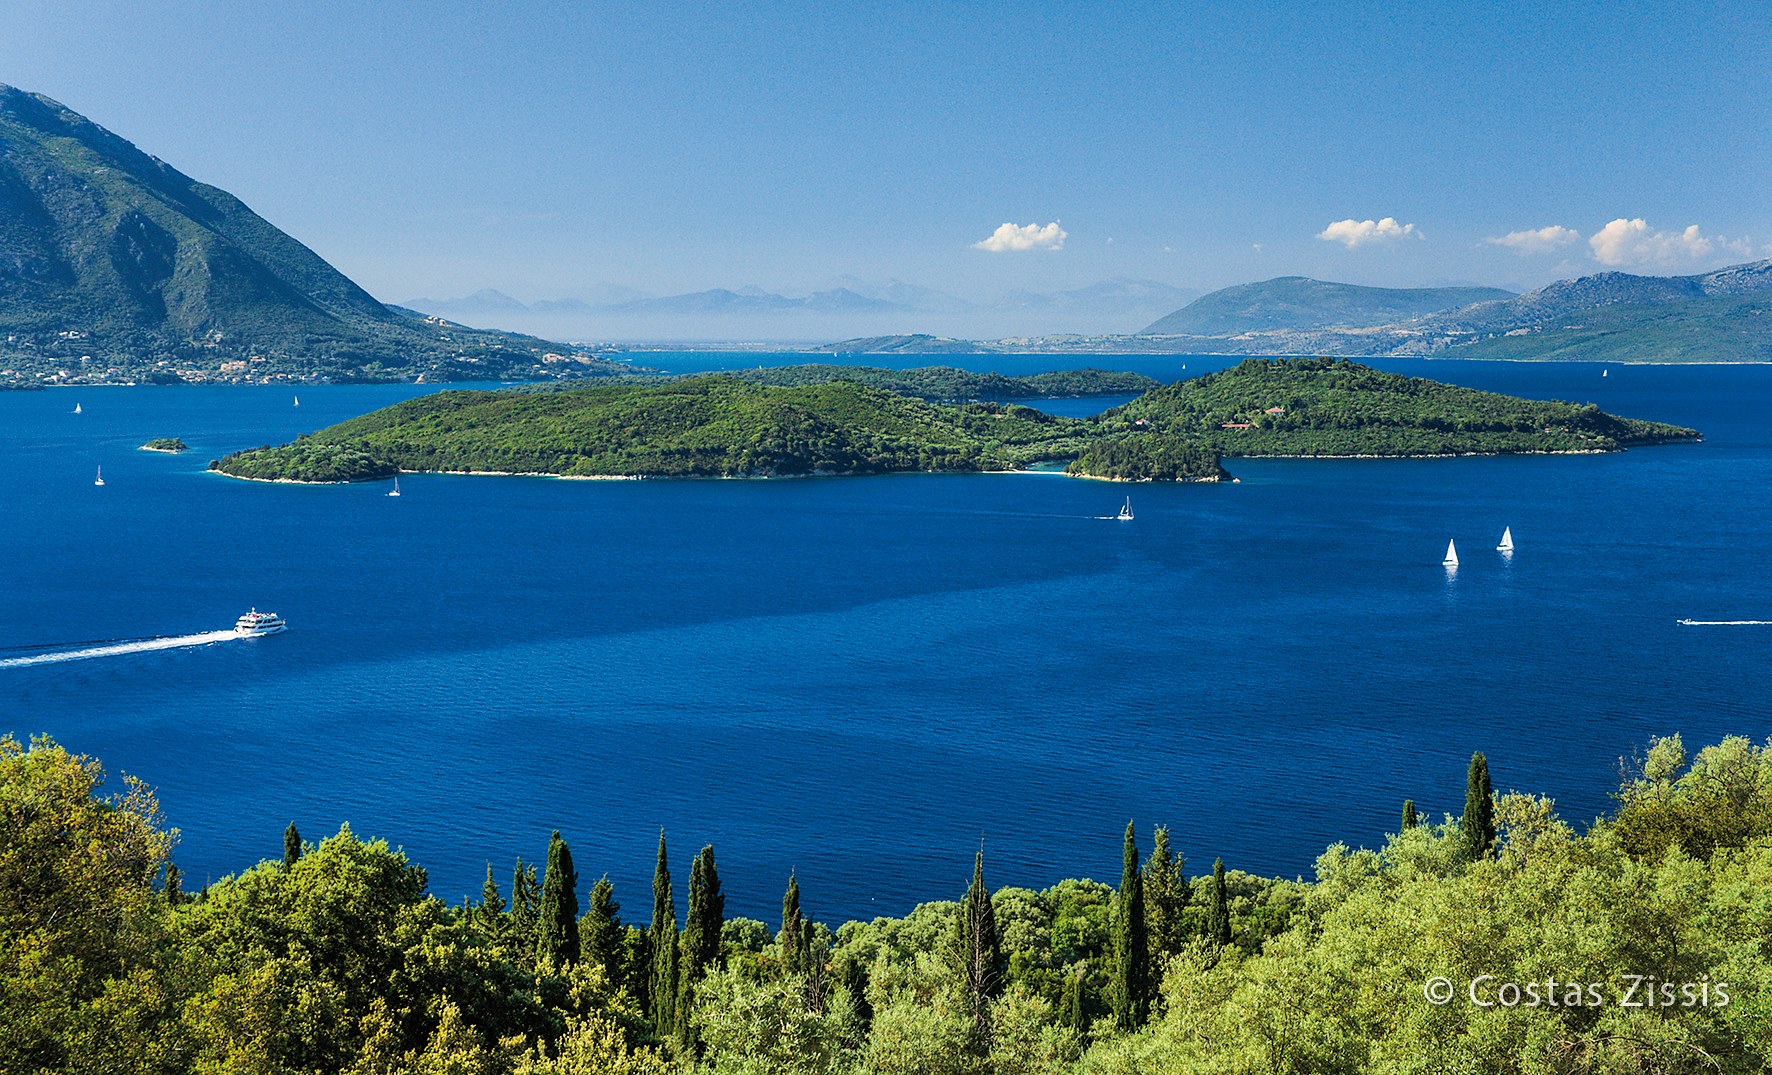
{"points": [[721, 426]]}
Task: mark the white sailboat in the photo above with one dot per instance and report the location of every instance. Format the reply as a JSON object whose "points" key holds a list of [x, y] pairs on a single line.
{"points": [[100, 478], [1125, 515], [1507, 540], [1451, 559], [76, 408], [298, 401], [1605, 373], [395, 491]]}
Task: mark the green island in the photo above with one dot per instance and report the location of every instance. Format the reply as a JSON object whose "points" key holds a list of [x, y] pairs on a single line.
{"points": [[1334, 407], [710, 426], [718, 425], [335, 957], [165, 444]]}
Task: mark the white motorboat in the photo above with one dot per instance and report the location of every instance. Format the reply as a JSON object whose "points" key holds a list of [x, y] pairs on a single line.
{"points": [[256, 623]]}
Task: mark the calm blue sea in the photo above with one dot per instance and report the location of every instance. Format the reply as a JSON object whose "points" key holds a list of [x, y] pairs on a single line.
{"points": [[861, 678]]}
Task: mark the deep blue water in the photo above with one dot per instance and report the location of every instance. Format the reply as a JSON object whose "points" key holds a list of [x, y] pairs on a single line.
{"points": [[860, 678]]}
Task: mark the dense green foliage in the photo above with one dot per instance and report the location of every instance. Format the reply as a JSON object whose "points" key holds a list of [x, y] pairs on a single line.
{"points": [[117, 267], [948, 384], [1149, 457], [165, 444], [1320, 406], [716, 426], [339, 961], [307, 460]]}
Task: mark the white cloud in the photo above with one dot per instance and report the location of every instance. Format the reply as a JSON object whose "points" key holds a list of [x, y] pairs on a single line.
{"points": [[1360, 232], [1632, 242], [1009, 237], [1543, 240]]}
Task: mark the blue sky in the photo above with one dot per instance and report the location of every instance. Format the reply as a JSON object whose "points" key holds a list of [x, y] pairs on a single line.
{"points": [[542, 148]]}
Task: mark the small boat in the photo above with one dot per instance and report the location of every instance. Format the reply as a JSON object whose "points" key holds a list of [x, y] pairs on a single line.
{"points": [[1507, 540], [1605, 373], [298, 401], [257, 623], [395, 491], [1451, 559], [100, 478], [76, 408], [1125, 515]]}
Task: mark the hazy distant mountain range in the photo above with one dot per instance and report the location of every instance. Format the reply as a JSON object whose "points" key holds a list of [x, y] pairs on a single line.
{"points": [[1719, 316], [1299, 302], [844, 306], [116, 266]]}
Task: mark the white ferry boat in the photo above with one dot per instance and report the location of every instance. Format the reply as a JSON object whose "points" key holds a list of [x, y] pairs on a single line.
{"points": [[257, 623]]}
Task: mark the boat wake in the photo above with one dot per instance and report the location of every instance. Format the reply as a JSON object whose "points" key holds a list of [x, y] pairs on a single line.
{"points": [[118, 649], [1725, 623]]}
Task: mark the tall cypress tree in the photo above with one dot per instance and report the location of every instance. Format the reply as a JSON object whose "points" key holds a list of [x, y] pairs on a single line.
{"points": [[980, 955], [491, 903], [707, 914], [701, 939], [1409, 820], [175, 894], [1165, 898], [291, 846], [525, 909], [491, 912], [556, 935], [601, 934], [662, 941], [793, 929], [1478, 824], [1218, 912], [1131, 944]]}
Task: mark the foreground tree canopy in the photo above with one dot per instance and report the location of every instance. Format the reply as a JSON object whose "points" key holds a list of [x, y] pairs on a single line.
{"points": [[1650, 931]]}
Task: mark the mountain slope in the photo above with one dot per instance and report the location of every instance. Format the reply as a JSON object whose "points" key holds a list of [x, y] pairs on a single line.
{"points": [[112, 256], [1298, 302]]}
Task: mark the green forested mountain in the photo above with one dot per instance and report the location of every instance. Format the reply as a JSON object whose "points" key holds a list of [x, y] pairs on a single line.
{"points": [[116, 266], [1298, 302], [1708, 328], [718, 426], [1502, 940]]}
